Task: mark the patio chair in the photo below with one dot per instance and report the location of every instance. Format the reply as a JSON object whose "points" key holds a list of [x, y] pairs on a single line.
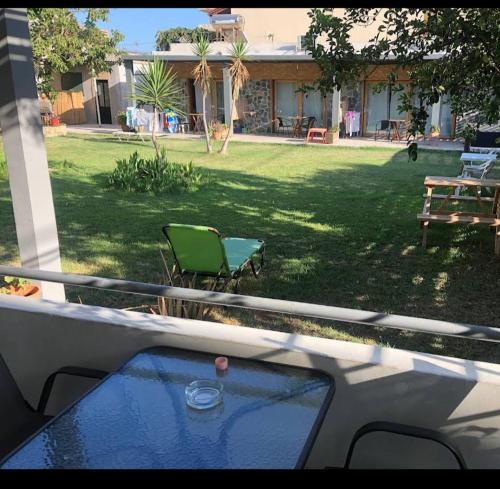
{"points": [[202, 251], [18, 420], [402, 447], [308, 124], [476, 171], [284, 126], [383, 125]]}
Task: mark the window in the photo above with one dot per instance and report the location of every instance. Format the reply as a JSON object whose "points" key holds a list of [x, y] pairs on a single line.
{"points": [[72, 82]]}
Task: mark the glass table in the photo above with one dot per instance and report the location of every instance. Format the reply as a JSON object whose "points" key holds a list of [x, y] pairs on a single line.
{"points": [[137, 417]]}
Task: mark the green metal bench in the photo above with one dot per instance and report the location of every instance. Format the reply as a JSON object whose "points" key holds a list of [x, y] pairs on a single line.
{"points": [[202, 251]]}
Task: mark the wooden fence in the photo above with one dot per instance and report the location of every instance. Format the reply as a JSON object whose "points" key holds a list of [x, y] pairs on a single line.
{"points": [[69, 107]]}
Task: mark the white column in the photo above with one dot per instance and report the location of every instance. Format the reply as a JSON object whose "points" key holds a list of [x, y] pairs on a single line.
{"points": [[436, 113], [228, 98], [336, 115], [96, 98], [129, 81], [24, 148]]}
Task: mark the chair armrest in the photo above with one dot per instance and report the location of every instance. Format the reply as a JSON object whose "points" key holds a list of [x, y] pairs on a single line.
{"points": [[75, 371], [406, 430]]}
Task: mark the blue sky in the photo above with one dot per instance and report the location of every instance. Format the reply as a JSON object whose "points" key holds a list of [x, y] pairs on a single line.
{"points": [[139, 25]]}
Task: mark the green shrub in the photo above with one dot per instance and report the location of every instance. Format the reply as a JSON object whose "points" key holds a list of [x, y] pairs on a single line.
{"points": [[3, 169], [155, 175]]}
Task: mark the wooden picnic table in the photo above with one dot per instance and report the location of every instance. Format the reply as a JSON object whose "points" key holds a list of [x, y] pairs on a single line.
{"points": [[491, 217]]}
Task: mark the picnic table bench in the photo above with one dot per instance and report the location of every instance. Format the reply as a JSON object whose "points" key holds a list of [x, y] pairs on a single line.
{"points": [[316, 134], [491, 218]]}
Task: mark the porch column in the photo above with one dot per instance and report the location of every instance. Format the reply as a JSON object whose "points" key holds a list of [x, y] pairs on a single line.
{"points": [[436, 112], [228, 99], [336, 115], [24, 149], [129, 80]]}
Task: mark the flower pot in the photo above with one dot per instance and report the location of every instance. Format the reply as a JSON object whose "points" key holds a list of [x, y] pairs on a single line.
{"points": [[28, 290], [124, 127], [219, 135], [331, 137], [54, 121]]}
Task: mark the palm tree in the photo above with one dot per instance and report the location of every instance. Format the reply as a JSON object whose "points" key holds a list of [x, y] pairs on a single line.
{"points": [[202, 77], [157, 87], [239, 75]]}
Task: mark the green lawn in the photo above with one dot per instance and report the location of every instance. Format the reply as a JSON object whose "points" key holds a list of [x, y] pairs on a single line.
{"points": [[339, 223]]}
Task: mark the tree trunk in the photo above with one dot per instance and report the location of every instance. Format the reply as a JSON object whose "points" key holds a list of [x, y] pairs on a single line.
{"points": [[153, 132], [223, 150], [207, 136]]}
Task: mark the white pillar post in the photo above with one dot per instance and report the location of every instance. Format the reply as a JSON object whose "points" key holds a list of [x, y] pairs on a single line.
{"points": [[336, 115], [98, 112], [436, 113], [24, 149], [228, 97]]}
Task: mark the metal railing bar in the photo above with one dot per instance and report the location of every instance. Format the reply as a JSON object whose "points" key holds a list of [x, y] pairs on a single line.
{"points": [[333, 313]]}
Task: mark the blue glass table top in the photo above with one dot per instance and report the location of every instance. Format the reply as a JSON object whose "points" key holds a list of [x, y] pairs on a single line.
{"points": [[137, 417]]}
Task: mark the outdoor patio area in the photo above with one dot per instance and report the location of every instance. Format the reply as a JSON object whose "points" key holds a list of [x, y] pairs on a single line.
{"points": [[354, 142], [339, 224]]}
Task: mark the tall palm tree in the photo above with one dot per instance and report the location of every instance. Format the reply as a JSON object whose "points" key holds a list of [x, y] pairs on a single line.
{"points": [[157, 87], [239, 75], [202, 77]]}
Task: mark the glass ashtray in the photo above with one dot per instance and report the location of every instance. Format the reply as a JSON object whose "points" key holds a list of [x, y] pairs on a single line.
{"points": [[204, 394]]}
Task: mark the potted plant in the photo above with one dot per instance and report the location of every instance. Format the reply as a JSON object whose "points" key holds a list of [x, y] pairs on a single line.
{"points": [[54, 120], [469, 134], [218, 130], [19, 286], [122, 120], [332, 135], [435, 131]]}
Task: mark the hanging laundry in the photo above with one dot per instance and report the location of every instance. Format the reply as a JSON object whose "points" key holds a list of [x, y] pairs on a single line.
{"points": [[352, 122], [141, 117], [131, 117], [171, 121]]}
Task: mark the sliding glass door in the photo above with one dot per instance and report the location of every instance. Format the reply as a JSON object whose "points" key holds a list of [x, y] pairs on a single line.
{"points": [[376, 107], [286, 99], [312, 106], [219, 88], [382, 106]]}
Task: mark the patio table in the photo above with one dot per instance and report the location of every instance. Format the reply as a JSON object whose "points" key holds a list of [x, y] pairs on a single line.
{"points": [[137, 417], [395, 123], [297, 125], [197, 122]]}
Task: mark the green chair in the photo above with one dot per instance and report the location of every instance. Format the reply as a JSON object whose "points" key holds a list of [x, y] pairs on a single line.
{"points": [[203, 251]]}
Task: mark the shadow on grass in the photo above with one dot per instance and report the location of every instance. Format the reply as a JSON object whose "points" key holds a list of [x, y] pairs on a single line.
{"points": [[346, 237]]}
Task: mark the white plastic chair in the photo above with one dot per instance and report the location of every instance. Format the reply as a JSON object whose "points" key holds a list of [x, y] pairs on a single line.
{"points": [[476, 171]]}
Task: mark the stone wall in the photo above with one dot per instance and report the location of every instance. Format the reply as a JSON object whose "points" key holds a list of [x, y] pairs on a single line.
{"points": [[256, 98]]}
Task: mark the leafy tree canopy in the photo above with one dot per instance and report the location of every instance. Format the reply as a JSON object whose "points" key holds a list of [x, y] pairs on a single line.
{"points": [[60, 43], [181, 34], [453, 51]]}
